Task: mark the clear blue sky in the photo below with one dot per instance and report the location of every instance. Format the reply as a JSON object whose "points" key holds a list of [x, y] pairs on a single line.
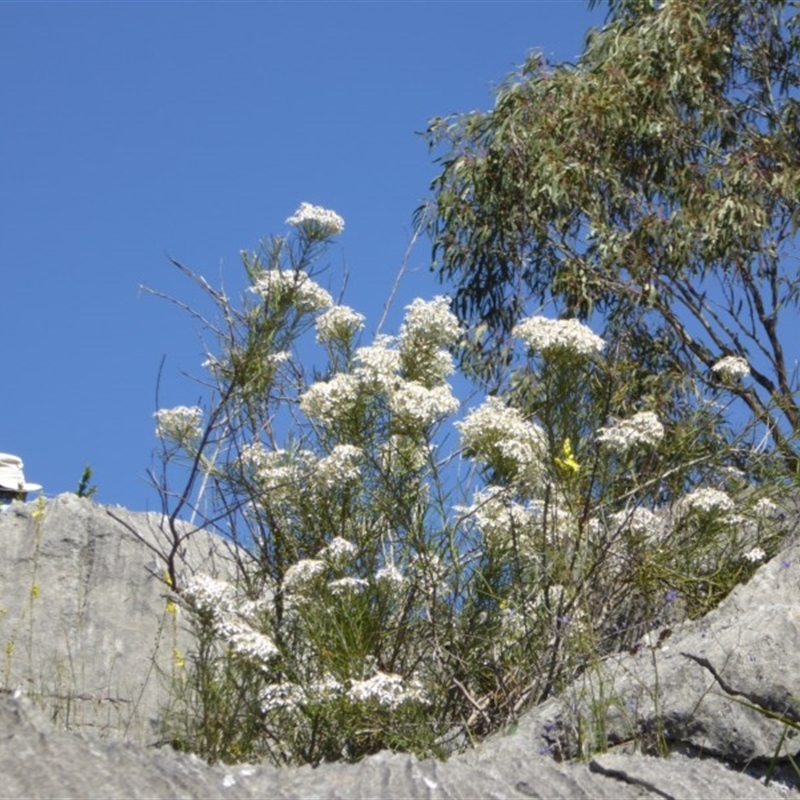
{"points": [[133, 131]]}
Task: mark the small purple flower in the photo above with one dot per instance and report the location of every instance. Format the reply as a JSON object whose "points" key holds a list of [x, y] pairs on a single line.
{"points": [[671, 596], [785, 564]]}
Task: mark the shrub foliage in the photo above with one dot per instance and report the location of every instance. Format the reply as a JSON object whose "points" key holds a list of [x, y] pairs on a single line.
{"points": [[412, 574]]}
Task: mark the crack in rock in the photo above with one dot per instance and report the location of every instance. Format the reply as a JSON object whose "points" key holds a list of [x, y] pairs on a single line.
{"points": [[761, 702], [621, 775]]}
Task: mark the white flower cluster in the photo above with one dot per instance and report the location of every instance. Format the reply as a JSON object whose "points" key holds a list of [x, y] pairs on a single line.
{"points": [[380, 368], [332, 400], [431, 322], [414, 404], [253, 457], [732, 474], [388, 690], [344, 586], [277, 286], [545, 336], [640, 521], [408, 370], [321, 221], [222, 369], [500, 437], [303, 574], [216, 366], [765, 507], [643, 428], [428, 329], [278, 696], [755, 555], [291, 696], [429, 366], [281, 357], [708, 501], [232, 617], [339, 551], [209, 595], [379, 364], [278, 472], [181, 424], [553, 519], [245, 640], [731, 368], [324, 688], [391, 577], [338, 469], [519, 617], [338, 323], [499, 518]]}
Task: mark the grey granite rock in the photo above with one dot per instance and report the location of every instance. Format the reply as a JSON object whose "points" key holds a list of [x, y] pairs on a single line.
{"points": [[695, 690], [83, 642], [38, 762], [83, 612]]}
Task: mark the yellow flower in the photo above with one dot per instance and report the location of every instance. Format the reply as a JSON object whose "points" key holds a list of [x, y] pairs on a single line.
{"points": [[34, 591], [567, 461]]}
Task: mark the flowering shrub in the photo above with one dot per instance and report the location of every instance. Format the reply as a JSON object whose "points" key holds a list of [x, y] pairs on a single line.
{"points": [[500, 438], [731, 367], [383, 598], [545, 336], [641, 429], [339, 324], [273, 285], [181, 424], [318, 222]]}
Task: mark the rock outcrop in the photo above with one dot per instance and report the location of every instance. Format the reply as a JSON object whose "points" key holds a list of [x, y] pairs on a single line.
{"points": [[85, 619], [718, 687], [37, 762]]}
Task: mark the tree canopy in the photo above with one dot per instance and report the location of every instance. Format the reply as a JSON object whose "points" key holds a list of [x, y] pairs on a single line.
{"points": [[652, 186]]}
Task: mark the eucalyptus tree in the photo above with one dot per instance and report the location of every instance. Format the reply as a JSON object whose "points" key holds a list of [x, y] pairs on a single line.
{"points": [[652, 187]]}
